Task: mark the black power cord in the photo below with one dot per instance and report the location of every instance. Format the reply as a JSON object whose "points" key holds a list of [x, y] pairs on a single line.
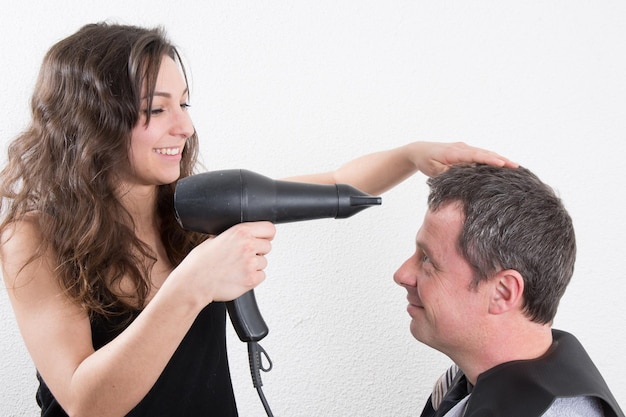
{"points": [[255, 351]]}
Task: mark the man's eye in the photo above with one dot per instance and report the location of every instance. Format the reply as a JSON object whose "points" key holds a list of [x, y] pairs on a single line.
{"points": [[425, 259]]}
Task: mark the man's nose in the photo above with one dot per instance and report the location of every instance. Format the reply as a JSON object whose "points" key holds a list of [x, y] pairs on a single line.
{"points": [[405, 276]]}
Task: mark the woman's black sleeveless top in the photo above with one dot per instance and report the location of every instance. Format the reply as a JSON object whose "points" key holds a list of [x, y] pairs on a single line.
{"points": [[195, 382]]}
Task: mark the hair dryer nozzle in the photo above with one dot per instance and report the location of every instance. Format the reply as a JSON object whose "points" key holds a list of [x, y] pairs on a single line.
{"points": [[351, 201], [365, 201], [213, 201]]}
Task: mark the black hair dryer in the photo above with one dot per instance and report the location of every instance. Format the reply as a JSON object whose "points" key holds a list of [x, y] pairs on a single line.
{"points": [[212, 202]]}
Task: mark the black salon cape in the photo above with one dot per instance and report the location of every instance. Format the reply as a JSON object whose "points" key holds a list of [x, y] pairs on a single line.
{"points": [[528, 388], [195, 382]]}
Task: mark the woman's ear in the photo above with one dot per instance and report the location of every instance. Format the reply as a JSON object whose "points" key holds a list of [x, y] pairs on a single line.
{"points": [[507, 292]]}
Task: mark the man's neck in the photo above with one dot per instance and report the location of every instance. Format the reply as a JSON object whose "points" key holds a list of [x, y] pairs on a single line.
{"points": [[531, 341]]}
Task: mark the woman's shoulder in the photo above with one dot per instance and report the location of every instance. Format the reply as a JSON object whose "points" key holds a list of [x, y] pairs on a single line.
{"points": [[21, 244], [20, 234]]}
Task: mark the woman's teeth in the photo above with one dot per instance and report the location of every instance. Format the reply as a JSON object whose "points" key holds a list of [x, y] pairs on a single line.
{"points": [[167, 151]]}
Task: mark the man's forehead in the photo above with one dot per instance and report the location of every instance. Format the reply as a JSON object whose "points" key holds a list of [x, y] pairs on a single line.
{"points": [[447, 213], [441, 225]]}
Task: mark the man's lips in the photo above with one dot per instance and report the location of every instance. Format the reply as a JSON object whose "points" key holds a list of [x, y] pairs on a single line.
{"points": [[414, 301], [414, 305]]}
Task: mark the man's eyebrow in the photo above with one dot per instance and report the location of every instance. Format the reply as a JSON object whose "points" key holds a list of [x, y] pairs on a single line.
{"points": [[424, 247]]}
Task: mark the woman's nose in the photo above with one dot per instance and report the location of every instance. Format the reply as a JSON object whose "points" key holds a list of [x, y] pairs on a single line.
{"points": [[183, 126]]}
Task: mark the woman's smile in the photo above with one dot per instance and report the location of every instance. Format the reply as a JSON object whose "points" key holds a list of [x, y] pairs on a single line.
{"points": [[168, 151]]}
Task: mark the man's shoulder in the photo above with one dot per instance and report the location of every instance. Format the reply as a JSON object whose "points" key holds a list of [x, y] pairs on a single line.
{"points": [[575, 407]]}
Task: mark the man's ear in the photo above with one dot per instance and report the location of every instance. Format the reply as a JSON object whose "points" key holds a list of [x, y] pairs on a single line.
{"points": [[507, 292]]}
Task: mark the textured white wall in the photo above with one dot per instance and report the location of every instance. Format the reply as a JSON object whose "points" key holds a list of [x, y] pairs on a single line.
{"points": [[295, 87]]}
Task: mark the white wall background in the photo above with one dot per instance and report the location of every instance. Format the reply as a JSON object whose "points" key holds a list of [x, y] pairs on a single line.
{"points": [[288, 87]]}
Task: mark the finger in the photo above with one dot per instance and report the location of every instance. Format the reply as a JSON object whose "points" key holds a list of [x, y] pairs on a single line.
{"points": [[261, 229], [261, 263], [260, 277], [466, 153], [492, 158], [263, 247]]}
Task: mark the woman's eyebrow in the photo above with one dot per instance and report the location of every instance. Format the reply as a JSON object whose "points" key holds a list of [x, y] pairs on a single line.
{"points": [[166, 94]]}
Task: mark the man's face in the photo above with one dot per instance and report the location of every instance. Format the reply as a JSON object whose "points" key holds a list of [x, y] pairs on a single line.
{"points": [[445, 311]]}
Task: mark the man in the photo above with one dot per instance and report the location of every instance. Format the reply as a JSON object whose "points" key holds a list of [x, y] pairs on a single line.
{"points": [[493, 258]]}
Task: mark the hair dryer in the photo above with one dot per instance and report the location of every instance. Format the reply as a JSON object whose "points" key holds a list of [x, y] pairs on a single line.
{"points": [[212, 202]]}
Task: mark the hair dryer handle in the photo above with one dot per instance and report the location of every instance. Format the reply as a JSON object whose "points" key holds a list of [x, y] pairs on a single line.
{"points": [[246, 318]]}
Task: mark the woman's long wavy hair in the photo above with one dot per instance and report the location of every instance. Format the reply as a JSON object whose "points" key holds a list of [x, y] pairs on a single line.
{"points": [[63, 167]]}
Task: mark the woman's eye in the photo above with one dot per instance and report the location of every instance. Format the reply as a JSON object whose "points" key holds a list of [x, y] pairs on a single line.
{"points": [[154, 111], [185, 106]]}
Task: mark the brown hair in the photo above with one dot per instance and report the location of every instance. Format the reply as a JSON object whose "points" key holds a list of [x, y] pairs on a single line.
{"points": [[63, 166]]}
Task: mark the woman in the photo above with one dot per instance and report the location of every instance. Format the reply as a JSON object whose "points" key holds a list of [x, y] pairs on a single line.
{"points": [[119, 307]]}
